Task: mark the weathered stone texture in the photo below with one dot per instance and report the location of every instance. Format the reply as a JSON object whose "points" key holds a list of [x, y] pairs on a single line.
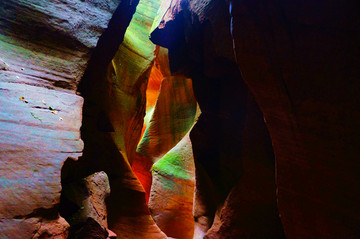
{"points": [[44, 48], [114, 110], [88, 196]]}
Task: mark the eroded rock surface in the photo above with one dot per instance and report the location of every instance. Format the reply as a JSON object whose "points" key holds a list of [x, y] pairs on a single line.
{"points": [[57, 229], [114, 109], [85, 199], [91, 229], [173, 116], [172, 191], [44, 49]]}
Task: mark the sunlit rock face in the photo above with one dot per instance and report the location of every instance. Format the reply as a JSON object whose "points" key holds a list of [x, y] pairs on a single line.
{"points": [[44, 49], [172, 191], [172, 117], [170, 181]]}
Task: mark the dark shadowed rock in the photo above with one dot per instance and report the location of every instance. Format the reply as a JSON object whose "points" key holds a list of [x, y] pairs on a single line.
{"points": [[87, 196], [91, 229], [300, 64]]}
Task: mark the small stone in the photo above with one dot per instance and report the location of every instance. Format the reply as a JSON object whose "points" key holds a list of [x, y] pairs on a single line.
{"points": [[3, 65]]}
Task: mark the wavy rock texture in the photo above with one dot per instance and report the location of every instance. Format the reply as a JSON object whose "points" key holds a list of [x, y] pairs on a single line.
{"points": [[131, 65], [44, 50], [298, 60], [205, 55], [164, 144], [171, 108], [173, 116], [172, 191], [114, 111]]}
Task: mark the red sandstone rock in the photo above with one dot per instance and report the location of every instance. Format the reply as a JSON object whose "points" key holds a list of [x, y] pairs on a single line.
{"points": [[298, 59], [172, 118], [34, 227], [304, 84], [250, 209], [172, 191], [90, 230], [89, 196], [57, 229]]}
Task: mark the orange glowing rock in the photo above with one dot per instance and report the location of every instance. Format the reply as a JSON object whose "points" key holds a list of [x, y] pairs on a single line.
{"points": [[172, 118]]}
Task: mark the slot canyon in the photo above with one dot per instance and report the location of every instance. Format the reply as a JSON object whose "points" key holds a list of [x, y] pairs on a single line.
{"points": [[183, 119]]}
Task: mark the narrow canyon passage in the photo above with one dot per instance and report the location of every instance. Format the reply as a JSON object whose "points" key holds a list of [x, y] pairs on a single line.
{"points": [[183, 119], [143, 127]]}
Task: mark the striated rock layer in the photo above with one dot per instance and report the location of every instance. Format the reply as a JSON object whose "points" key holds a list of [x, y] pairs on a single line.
{"points": [[44, 49]]}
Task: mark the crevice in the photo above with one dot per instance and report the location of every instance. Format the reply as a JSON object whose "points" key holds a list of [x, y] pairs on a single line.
{"points": [[45, 213], [108, 45]]}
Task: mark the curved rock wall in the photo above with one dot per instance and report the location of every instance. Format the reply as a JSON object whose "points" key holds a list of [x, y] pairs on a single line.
{"points": [[295, 64], [172, 191], [114, 111], [298, 60], [307, 52], [44, 49]]}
